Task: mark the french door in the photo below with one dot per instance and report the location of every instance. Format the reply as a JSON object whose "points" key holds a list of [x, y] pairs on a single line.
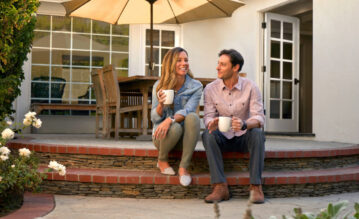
{"points": [[282, 73]]}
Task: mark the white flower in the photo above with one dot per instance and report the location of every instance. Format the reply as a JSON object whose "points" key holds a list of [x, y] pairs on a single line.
{"points": [[62, 170], [4, 150], [9, 122], [24, 152], [58, 167], [26, 121], [53, 165], [4, 157], [30, 115], [7, 134], [36, 123], [13, 166], [0, 178]]}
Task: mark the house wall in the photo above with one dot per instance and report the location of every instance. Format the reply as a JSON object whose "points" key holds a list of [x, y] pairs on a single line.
{"points": [[205, 39], [335, 70]]}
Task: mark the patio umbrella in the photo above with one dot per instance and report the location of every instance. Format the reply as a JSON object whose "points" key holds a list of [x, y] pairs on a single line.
{"points": [[151, 11]]}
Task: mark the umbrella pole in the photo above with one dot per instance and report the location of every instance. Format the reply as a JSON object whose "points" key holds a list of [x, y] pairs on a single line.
{"points": [[151, 65]]}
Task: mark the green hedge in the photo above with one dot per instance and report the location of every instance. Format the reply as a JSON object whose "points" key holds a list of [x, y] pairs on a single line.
{"points": [[17, 22]]}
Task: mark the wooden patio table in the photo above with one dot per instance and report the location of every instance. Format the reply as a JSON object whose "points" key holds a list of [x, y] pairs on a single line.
{"points": [[144, 85]]}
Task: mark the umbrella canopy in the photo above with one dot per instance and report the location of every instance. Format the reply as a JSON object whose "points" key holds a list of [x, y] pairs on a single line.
{"points": [[151, 11]]}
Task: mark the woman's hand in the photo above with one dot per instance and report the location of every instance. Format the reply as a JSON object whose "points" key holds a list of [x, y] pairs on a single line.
{"points": [[161, 96], [162, 129]]}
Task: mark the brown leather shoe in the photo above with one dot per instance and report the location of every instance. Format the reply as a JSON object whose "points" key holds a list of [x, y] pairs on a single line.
{"points": [[256, 195], [220, 193]]}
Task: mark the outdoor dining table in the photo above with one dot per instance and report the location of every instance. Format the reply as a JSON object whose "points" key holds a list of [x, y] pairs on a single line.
{"points": [[144, 85]]}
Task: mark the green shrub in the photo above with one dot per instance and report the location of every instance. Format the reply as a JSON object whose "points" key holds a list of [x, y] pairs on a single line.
{"points": [[17, 19]]}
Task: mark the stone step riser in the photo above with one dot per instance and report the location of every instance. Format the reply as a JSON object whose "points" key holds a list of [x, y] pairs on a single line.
{"points": [[198, 164], [165, 191]]}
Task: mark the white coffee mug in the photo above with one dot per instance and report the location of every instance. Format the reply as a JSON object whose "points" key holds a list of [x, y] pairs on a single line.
{"points": [[224, 123], [169, 96]]}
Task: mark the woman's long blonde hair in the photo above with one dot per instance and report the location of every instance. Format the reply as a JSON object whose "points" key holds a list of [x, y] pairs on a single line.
{"points": [[168, 74]]}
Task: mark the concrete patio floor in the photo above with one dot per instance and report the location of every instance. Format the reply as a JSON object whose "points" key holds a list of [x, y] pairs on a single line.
{"points": [[81, 207]]}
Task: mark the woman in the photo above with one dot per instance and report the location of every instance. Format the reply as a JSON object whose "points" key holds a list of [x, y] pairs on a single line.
{"points": [[176, 124]]}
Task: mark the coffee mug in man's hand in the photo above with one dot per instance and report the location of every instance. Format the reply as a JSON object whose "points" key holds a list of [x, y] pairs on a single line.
{"points": [[224, 123], [169, 96]]}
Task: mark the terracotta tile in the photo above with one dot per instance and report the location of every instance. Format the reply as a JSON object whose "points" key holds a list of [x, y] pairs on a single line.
{"points": [[160, 179], [82, 150], [292, 180], [85, 178], [302, 180], [322, 179], [93, 150], [347, 177], [282, 180], [281, 154], [330, 178], [270, 154], [122, 179], [37, 148], [199, 154], [98, 179], [232, 180], [111, 179], [307, 154], [174, 180], [133, 180], [53, 149], [203, 180], [269, 180], [116, 151], [152, 153], [140, 152], [128, 152], [104, 151], [72, 177], [30, 147], [45, 148], [72, 150], [243, 181], [61, 149], [146, 180], [298, 154], [312, 179], [56, 176]]}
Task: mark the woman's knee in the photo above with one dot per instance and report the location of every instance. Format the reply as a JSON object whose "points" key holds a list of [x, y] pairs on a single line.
{"points": [[192, 119]]}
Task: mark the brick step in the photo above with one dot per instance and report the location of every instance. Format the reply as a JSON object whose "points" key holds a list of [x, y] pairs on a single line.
{"points": [[152, 184], [146, 159]]}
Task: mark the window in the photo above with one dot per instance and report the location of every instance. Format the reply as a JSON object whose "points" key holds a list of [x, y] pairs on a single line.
{"points": [[66, 50], [163, 41]]}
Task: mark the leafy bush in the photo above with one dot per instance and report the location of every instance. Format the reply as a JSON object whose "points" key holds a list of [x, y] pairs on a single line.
{"points": [[18, 171], [17, 20], [333, 211]]}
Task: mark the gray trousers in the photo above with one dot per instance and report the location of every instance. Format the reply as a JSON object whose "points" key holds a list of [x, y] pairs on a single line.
{"points": [[252, 142], [178, 137]]}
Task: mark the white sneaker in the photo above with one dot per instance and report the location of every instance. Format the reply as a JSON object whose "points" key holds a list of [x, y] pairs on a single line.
{"points": [[167, 171], [185, 180]]}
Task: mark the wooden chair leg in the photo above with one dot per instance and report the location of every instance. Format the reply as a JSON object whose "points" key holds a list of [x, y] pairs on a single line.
{"points": [[117, 123]]}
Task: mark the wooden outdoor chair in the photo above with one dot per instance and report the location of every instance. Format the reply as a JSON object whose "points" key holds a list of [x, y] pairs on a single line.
{"points": [[101, 107], [117, 107]]}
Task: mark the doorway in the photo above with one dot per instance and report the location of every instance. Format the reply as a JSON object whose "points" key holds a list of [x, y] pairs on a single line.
{"points": [[286, 85]]}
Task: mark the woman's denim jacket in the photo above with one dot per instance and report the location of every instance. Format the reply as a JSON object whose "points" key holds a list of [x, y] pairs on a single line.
{"points": [[185, 101]]}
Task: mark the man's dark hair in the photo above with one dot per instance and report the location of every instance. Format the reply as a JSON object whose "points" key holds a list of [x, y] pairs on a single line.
{"points": [[236, 57]]}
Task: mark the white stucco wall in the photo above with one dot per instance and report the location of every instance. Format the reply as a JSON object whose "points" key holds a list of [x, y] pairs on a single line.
{"points": [[336, 70], [205, 39]]}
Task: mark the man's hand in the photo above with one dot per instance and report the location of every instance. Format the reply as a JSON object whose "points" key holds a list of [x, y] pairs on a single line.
{"points": [[213, 125], [162, 129], [237, 124]]}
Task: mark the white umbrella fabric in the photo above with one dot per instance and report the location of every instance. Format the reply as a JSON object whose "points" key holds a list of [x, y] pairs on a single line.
{"points": [[151, 11]]}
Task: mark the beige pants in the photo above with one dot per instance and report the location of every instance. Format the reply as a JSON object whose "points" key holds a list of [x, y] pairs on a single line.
{"points": [[178, 137]]}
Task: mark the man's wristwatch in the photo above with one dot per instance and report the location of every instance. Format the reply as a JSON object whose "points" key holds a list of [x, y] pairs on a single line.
{"points": [[244, 126], [172, 119]]}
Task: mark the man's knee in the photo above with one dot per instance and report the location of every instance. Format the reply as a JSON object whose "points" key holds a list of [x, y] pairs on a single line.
{"points": [[256, 133]]}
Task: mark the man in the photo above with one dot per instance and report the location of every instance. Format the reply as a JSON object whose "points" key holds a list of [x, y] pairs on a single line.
{"points": [[239, 98]]}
